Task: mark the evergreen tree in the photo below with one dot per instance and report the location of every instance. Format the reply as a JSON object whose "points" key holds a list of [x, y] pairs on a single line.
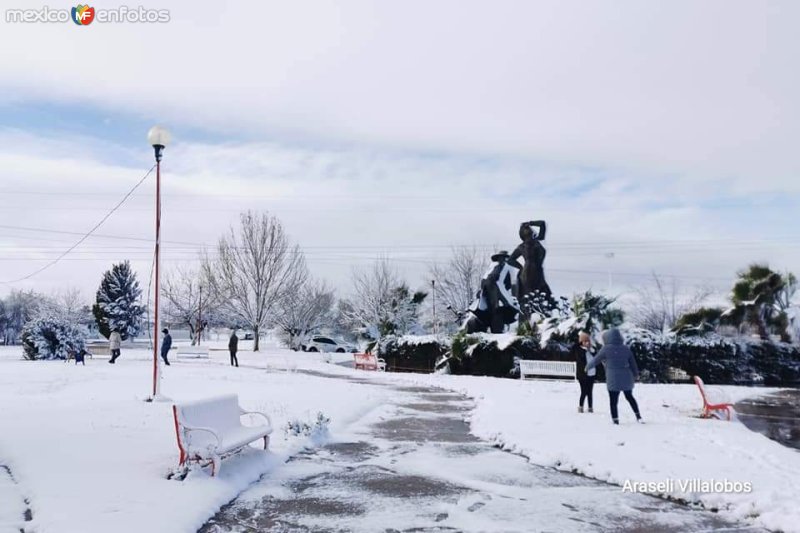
{"points": [[118, 304]]}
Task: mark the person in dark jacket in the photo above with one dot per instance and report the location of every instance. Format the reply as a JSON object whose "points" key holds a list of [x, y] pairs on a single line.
{"points": [[621, 371], [166, 344], [233, 346], [583, 354]]}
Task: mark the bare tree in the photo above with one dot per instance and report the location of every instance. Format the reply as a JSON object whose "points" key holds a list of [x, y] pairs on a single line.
{"points": [[458, 281], [190, 300], [20, 307], [68, 305], [254, 270], [305, 312], [660, 304], [382, 302]]}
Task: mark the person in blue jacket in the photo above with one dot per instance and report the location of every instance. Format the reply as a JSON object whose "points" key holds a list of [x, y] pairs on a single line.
{"points": [[166, 344], [621, 371]]}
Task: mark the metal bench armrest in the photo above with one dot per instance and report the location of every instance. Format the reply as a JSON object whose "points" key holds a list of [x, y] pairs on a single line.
{"points": [[189, 429], [264, 415]]}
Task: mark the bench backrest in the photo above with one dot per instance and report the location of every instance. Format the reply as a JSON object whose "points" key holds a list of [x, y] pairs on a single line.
{"points": [[365, 359], [193, 351], [529, 367], [220, 413]]}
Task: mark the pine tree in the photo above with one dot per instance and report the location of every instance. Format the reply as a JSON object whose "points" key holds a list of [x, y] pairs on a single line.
{"points": [[118, 304]]}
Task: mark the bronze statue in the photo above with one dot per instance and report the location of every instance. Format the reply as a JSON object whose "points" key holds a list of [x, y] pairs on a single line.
{"points": [[531, 275], [495, 306]]}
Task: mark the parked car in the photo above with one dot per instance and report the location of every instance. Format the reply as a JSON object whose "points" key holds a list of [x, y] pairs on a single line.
{"points": [[327, 344]]}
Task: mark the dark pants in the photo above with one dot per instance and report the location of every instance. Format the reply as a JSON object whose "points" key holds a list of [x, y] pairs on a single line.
{"points": [[164, 357], [613, 396], [234, 359], [587, 384], [114, 355]]}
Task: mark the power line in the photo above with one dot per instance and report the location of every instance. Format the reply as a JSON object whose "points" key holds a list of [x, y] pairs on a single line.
{"points": [[85, 236]]}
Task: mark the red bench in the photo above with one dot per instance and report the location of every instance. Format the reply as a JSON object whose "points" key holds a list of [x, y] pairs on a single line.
{"points": [[368, 361], [712, 409]]}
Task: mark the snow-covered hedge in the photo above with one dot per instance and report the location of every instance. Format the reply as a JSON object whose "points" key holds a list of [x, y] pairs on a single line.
{"points": [[716, 359], [411, 353], [51, 337]]}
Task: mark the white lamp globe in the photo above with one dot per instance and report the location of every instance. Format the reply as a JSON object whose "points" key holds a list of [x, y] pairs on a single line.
{"points": [[158, 136]]}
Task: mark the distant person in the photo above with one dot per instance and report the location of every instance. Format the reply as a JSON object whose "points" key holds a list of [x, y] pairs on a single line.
{"points": [[583, 354], [233, 346], [621, 371], [114, 345], [166, 344]]}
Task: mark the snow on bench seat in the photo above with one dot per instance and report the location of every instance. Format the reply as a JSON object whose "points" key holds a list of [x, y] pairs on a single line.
{"points": [[561, 369], [193, 352], [368, 361], [211, 428]]}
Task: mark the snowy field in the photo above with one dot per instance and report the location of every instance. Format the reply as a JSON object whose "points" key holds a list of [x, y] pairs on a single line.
{"points": [[90, 455]]}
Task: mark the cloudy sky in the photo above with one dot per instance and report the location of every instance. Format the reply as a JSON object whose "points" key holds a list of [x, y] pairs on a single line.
{"points": [[664, 133]]}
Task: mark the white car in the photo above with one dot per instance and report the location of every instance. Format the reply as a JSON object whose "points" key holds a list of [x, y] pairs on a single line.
{"points": [[327, 344]]}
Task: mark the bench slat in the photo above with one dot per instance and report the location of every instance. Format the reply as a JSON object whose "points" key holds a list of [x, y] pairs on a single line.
{"points": [[529, 367]]}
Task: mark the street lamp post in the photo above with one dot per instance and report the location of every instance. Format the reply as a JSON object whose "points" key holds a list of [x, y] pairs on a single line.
{"points": [[158, 138]]}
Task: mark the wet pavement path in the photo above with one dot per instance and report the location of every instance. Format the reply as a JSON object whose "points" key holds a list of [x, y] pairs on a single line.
{"points": [[412, 465], [775, 415]]}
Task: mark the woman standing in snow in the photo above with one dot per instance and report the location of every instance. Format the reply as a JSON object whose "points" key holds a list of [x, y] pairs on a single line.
{"points": [[621, 371], [114, 345], [583, 355]]}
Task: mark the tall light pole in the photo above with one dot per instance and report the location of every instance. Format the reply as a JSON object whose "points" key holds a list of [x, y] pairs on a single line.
{"points": [[158, 138]]}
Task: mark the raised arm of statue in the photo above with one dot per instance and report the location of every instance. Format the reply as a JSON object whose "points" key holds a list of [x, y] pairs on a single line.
{"points": [[512, 260], [542, 228]]}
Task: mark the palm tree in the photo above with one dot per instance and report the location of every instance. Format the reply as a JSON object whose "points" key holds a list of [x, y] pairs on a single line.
{"points": [[761, 297]]}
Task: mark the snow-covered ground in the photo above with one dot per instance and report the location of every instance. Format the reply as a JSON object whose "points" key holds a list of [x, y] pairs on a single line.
{"points": [[91, 455]]}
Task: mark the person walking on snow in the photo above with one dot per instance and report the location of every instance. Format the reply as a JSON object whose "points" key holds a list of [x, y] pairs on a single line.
{"points": [[233, 346], [114, 345], [166, 344], [621, 371], [583, 354]]}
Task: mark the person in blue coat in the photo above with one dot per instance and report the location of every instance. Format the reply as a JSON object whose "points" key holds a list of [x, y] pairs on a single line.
{"points": [[166, 344], [621, 371]]}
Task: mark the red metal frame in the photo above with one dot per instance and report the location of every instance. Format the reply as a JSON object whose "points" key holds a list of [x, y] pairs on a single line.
{"points": [[710, 408]]}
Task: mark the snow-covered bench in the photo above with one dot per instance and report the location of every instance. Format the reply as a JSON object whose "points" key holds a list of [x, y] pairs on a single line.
{"points": [[558, 369], [209, 429], [193, 352], [712, 409], [368, 361]]}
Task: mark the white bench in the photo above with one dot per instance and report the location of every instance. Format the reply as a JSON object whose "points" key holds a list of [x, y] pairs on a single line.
{"points": [[209, 429], [560, 369], [193, 352], [368, 361]]}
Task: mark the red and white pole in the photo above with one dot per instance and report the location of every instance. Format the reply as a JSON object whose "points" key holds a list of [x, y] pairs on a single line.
{"points": [[158, 138], [156, 328]]}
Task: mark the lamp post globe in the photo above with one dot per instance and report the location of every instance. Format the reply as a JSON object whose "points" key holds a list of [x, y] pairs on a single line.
{"points": [[158, 137]]}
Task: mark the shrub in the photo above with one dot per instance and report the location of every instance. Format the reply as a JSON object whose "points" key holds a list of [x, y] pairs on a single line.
{"points": [[49, 337]]}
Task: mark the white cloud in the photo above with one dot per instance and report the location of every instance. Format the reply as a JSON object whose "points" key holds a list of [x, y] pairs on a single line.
{"points": [[702, 89]]}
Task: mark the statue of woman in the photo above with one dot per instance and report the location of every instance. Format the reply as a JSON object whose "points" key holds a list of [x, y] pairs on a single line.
{"points": [[531, 275]]}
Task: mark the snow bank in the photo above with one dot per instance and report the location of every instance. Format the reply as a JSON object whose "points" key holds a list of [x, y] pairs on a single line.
{"points": [[92, 456]]}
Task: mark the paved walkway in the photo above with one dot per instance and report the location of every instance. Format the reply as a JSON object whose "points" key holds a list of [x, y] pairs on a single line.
{"points": [[775, 415], [413, 466]]}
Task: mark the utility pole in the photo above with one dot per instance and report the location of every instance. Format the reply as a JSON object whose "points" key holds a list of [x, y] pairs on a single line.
{"points": [[200, 317], [435, 325]]}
